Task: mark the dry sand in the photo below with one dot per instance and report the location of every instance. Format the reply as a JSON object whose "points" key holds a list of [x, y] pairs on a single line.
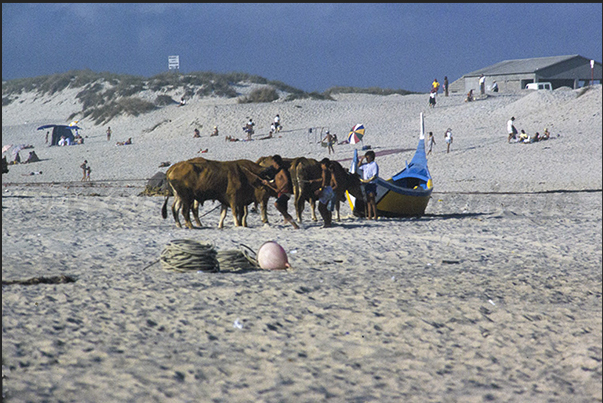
{"points": [[493, 295]]}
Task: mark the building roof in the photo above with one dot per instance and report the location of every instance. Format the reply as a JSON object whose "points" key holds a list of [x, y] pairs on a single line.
{"points": [[520, 66]]}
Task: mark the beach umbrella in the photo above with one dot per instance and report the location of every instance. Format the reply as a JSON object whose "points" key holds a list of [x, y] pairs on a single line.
{"points": [[356, 134]]}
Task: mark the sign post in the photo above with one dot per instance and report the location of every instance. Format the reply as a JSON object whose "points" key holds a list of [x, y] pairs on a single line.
{"points": [[174, 62]]}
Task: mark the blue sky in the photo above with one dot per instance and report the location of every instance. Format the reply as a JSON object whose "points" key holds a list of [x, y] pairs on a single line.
{"points": [[308, 46]]}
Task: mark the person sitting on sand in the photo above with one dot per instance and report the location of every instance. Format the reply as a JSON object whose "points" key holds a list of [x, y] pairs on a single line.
{"points": [[215, 133], [523, 136], [124, 143], [269, 136], [532, 139], [546, 134], [469, 96], [196, 133], [33, 157]]}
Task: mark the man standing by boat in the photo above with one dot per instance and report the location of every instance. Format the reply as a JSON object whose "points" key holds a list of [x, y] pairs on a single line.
{"points": [[370, 173]]}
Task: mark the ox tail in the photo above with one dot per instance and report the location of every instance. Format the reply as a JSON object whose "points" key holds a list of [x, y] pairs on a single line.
{"points": [[164, 208]]}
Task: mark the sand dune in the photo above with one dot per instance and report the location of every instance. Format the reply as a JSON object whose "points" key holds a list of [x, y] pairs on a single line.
{"points": [[493, 295]]}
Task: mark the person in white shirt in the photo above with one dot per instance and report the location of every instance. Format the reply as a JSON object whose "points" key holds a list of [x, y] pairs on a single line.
{"points": [[482, 84], [277, 123], [511, 130], [448, 139], [370, 173]]}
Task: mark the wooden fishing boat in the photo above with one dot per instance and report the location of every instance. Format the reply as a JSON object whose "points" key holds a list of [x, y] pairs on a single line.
{"points": [[406, 193]]}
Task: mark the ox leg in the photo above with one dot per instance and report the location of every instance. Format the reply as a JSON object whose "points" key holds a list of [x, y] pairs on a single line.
{"points": [[244, 214], [264, 210], [235, 215], [186, 213], [313, 208], [176, 206], [299, 207], [196, 213], [222, 216]]}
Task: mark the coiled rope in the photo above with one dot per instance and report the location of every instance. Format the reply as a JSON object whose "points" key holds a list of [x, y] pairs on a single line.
{"points": [[185, 255]]}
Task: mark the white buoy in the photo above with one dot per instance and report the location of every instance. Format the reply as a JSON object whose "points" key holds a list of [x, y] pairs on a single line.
{"points": [[272, 256]]}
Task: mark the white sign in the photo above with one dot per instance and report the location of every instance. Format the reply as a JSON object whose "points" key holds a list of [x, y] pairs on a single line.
{"points": [[173, 62], [592, 64]]}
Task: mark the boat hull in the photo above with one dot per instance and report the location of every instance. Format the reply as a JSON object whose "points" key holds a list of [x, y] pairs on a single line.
{"points": [[394, 202]]}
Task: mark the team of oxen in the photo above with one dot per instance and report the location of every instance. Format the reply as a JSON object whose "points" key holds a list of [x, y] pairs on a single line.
{"points": [[237, 184]]}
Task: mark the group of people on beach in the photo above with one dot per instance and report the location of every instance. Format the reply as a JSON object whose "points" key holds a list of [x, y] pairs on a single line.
{"points": [[435, 87], [326, 192], [33, 157], [522, 137]]}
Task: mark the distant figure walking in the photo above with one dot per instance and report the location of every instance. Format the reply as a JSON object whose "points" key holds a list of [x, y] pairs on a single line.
{"points": [[86, 171], [109, 133], [482, 84], [277, 124], [445, 86], [432, 98], [430, 143], [448, 138], [511, 130], [47, 133], [329, 141], [249, 128]]}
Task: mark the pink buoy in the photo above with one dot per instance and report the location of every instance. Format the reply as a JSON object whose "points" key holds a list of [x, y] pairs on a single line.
{"points": [[272, 256]]}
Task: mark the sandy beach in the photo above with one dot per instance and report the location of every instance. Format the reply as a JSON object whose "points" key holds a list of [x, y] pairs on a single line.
{"points": [[493, 295]]}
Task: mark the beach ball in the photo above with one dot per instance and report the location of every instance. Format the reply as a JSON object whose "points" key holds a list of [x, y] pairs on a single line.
{"points": [[272, 256]]}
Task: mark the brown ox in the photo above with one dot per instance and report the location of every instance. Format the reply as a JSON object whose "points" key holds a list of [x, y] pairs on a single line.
{"points": [[303, 170], [199, 179], [307, 171]]}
